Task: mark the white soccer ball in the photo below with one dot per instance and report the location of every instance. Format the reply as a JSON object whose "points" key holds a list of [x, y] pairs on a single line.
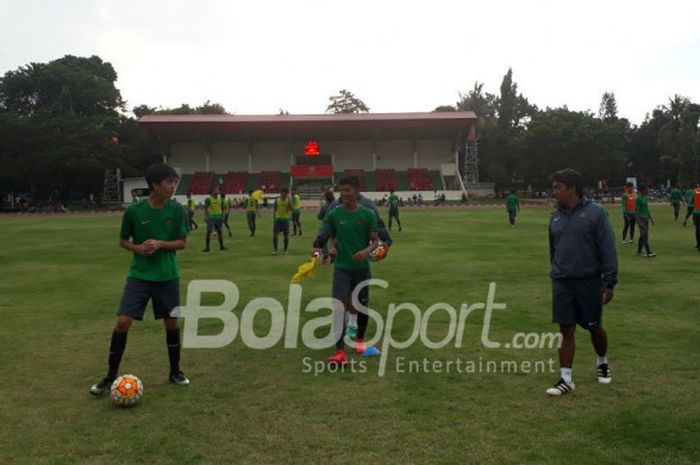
{"points": [[126, 391]]}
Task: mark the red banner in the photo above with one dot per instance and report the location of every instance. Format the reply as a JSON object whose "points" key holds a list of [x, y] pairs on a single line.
{"points": [[299, 171]]}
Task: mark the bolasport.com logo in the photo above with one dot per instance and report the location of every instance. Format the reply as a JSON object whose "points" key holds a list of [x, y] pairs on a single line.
{"points": [[324, 322]]}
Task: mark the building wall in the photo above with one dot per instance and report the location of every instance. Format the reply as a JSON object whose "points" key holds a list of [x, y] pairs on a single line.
{"points": [[432, 153], [271, 156], [188, 157], [229, 156], [348, 154]]}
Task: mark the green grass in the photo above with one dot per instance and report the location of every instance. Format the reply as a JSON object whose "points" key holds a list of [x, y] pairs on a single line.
{"points": [[62, 277]]}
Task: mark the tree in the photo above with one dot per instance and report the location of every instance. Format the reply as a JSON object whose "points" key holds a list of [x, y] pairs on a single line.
{"points": [[207, 108], [688, 145], [485, 105], [346, 102], [514, 110], [444, 109], [59, 117], [38, 86], [559, 138], [608, 107]]}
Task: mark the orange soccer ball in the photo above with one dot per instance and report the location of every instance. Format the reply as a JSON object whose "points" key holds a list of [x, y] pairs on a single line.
{"points": [[379, 253], [126, 391]]}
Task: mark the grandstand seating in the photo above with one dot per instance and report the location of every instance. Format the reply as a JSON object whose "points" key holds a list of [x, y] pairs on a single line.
{"points": [[271, 180], [201, 183], [386, 180], [235, 182], [419, 179], [355, 172]]}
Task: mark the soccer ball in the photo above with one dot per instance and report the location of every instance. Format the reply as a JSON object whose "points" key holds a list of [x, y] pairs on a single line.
{"points": [[379, 253], [126, 391]]}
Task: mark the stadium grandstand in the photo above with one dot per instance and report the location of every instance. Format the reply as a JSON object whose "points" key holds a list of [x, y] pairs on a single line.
{"points": [[406, 152]]}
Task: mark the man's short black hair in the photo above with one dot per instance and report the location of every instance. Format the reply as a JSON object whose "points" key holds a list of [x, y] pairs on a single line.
{"points": [[569, 177], [642, 187], [159, 172], [250, 192], [284, 189], [353, 181]]}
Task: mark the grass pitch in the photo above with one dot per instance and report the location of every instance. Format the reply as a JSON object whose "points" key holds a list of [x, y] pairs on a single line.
{"points": [[62, 277]]}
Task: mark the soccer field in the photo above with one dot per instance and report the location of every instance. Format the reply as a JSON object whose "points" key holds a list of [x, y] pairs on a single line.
{"points": [[62, 277]]}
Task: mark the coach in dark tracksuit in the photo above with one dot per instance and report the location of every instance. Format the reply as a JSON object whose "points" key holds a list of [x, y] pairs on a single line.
{"points": [[584, 273]]}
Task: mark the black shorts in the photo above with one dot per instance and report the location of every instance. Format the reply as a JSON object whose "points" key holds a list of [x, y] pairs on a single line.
{"points": [[295, 216], [345, 281], [214, 225], [280, 227], [578, 300], [164, 295], [690, 209], [394, 212]]}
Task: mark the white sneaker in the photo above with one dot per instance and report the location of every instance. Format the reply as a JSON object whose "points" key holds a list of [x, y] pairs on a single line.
{"points": [[560, 388], [604, 374]]}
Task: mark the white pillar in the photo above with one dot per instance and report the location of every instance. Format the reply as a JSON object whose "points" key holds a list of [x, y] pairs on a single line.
{"points": [[165, 158]]}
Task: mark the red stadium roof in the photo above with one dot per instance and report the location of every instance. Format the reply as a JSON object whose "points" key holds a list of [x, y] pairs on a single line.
{"points": [[233, 127]]}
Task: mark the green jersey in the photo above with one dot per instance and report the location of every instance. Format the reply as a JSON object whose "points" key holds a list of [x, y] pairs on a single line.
{"points": [[190, 205], [689, 197], [394, 201], [226, 205], [142, 222], [675, 196], [250, 205], [215, 207], [296, 203], [351, 231], [512, 203], [282, 209], [643, 207]]}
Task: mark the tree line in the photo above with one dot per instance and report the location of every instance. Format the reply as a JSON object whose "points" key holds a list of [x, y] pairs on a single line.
{"points": [[64, 122]]}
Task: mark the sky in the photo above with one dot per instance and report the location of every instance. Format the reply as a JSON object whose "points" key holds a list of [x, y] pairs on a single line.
{"points": [[260, 56]]}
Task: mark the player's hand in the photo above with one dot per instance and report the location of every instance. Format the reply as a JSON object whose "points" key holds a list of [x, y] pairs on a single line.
{"points": [[141, 250], [151, 246], [316, 251], [361, 255], [608, 295]]}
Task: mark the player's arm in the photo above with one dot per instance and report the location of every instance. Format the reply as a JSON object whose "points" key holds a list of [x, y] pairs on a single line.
{"points": [[332, 250], [324, 231], [129, 246], [551, 247], [257, 208], [608, 257], [153, 245], [126, 234], [364, 253], [381, 226]]}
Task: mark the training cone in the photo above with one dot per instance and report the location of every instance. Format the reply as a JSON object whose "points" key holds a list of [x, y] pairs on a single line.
{"points": [[371, 351]]}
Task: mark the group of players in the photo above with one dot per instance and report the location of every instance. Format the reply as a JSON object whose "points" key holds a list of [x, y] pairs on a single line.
{"points": [[217, 210], [153, 229], [582, 256], [635, 212]]}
